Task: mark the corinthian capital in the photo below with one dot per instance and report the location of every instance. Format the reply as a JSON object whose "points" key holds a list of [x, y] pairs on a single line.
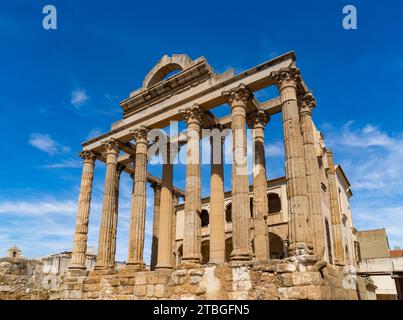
{"points": [[88, 156], [193, 114], [238, 95], [258, 119], [140, 134], [286, 76], [306, 103], [111, 145]]}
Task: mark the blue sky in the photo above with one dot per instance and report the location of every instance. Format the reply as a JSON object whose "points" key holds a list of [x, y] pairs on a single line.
{"points": [[59, 87]]}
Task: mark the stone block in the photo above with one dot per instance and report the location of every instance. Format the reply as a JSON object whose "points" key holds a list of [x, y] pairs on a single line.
{"points": [[152, 278], [150, 290], [292, 293], [305, 278], [194, 279], [140, 279], [179, 289], [164, 277], [115, 282], [93, 294], [197, 289], [160, 290], [140, 290], [286, 279], [196, 272]]}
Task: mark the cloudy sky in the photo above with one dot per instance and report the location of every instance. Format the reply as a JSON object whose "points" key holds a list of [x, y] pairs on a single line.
{"points": [[61, 87]]}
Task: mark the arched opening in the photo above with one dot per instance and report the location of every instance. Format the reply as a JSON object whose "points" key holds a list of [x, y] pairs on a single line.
{"points": [[228, 249], [204, 217], [251, 207], [205, 251], [14, 254], [276, 246], [228, 213], [274, 203]]}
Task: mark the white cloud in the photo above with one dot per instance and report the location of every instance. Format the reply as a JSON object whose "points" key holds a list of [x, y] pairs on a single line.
{"points": [[372, 160], [371, 157], [94, 133], [275, 149], [38, 207], [43, 142], [78, 98], [46, 144], [69, 163]]}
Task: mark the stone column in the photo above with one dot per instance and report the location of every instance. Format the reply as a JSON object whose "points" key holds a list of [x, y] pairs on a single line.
{"points": [[165, 224], [257, 122], [78, 256], [138, 209], [156, 220], [307, 103], [105, 258], [237, 99], [217, 214], [192, 236], [300, 233], [335, 210], [119, 169], [175, 200]]}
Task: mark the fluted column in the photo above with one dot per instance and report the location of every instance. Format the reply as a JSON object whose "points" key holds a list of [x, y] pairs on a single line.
{"points": [[257, 122], [238, 98], [307, 103], [339, 257], [297, 194], [78, 256], [165, 224], [138, 209], [175, 200], [217, 214], [119, 169], [192, 237], [156, 220], [105, 258]]}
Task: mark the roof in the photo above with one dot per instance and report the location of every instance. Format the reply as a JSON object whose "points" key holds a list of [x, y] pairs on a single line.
{"points": [[396, 253]]}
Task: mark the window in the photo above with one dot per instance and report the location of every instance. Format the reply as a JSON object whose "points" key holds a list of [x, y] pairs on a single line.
{"points": [[204, 217], [228, 213], [274, 203]]}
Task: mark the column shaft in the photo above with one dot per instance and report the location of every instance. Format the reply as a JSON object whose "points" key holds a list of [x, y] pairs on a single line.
{"points": [[257, 121], [165, 224], [119, 169], [217, 214], [105, 258], [307, 103], [156, 221], [138, 209], [339, 257], [192, 236], [238, 98], [175, 200], [78, 257], [297, 194]]}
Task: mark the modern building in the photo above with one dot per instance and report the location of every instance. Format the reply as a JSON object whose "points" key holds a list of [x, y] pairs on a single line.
{"points": [[384, 266]]}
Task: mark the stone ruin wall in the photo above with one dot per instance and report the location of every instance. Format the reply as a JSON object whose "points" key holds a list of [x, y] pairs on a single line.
{"points": [[271, 281]]}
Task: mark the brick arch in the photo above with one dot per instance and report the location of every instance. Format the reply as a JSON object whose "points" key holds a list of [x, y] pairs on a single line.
{"points": [[165, 66]]}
